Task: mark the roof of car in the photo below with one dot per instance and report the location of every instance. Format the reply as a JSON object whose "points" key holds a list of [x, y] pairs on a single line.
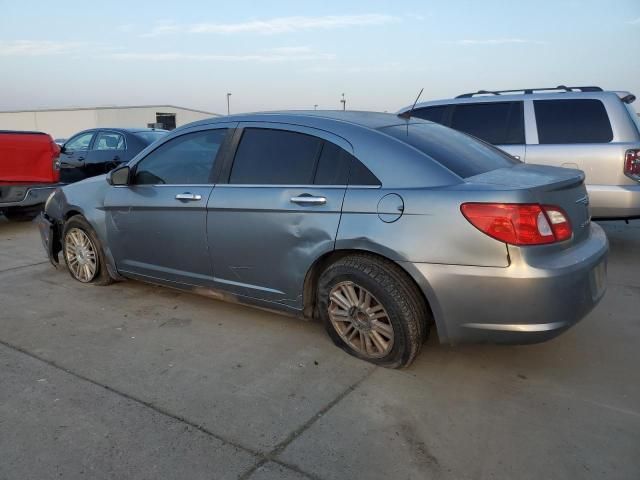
{"points": [[365, 119], [506, 97]]}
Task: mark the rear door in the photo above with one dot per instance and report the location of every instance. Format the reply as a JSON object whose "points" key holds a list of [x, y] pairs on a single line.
{"points": [[498, 123], [156, 225], [278, 211], [108, 150]]}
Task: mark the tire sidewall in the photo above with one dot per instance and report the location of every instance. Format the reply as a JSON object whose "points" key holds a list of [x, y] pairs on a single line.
{"points": [[342, 273]]}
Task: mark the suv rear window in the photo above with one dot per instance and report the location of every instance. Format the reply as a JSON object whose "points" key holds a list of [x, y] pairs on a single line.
{"points": [[499, 123], [460, 153], [572, 121]]}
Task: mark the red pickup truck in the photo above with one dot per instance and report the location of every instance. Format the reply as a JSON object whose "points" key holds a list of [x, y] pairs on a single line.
{"points": [[28, 172]]}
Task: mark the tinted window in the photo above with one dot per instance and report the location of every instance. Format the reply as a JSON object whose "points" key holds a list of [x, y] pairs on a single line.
{"points": [[499, 123], [333, 165], [463, 155], [275, 157], [109, 141], [433, 114], [150, 137], [81, 142], [572, 121], [187, 159]]}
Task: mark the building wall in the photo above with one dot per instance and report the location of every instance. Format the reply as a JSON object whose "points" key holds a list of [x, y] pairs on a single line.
{"points": [[64, 123]]}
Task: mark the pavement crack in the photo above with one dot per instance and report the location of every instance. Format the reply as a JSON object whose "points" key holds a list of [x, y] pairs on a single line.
{"points": [[261, 457], [272, 455], [20, 267]]}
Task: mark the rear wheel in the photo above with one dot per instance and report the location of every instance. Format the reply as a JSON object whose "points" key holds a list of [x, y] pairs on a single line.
{"points": [[372, 310], [83, 253]]}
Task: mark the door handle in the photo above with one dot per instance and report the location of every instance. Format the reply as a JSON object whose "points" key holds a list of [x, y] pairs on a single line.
{"points": [[189, 197], [306, 199]]}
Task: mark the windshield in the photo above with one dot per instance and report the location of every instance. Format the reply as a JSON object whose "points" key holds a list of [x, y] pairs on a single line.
{"points": [[464, 155], [151, 136]]}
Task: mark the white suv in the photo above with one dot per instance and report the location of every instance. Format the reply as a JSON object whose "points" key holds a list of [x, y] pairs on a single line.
{"points": [[577, 127]]}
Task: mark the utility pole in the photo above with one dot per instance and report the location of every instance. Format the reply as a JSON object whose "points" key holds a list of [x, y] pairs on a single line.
{"points": [[228, 107], [343, 102], [315, 107]]}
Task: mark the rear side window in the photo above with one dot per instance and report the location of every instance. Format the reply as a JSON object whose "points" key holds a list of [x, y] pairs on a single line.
{"points": [[184, 160], [333, 165], [572, 121], [499, 123], [109, 141], [460, 153], [433, 114], [275, 157]]}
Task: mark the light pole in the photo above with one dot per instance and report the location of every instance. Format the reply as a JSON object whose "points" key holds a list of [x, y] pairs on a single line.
{"points": [[315, 107], [228, 108], [343, 102]]}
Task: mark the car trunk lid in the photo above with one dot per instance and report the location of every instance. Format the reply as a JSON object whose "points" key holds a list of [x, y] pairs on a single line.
{"points": [[561, 187]]}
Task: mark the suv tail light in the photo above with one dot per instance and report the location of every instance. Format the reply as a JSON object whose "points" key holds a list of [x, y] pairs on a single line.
{"points": [[56, 153], [632, 164], [519, 223]]}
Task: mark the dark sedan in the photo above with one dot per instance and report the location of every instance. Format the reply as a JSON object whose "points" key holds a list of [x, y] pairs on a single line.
{"points": [[100, 150]]}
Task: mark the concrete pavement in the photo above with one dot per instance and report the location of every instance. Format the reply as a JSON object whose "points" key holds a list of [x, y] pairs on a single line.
{"points": [[137, 381]]}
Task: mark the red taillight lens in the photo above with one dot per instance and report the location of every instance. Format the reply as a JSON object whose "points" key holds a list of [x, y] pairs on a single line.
{"points": [[519, 224], [632, 163]]}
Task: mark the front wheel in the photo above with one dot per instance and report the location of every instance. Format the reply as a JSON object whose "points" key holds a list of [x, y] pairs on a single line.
{"points": [[83, 252], [372, 310]]}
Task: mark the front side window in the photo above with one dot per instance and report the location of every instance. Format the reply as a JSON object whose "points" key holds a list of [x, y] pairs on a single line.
{"points": [[184, 160], [572, 121], [498, 123], [109, 141], [81, 142], [463, 155]]}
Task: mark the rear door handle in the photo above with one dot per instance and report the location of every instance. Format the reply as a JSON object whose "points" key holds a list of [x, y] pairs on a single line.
{"points": [[188, 197], [306, 199]]}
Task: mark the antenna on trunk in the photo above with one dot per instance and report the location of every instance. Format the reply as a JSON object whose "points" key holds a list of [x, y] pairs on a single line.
{"points": [[407, 114]]}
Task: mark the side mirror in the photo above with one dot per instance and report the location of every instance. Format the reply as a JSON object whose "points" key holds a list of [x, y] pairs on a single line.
{"points": [[119, 176], [63, 149]]}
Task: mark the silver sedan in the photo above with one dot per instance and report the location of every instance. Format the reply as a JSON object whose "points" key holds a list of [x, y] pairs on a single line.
{"points": [[379, 226]]}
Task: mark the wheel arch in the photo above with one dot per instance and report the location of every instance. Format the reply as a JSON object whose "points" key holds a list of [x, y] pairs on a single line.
{"points": [[321, 263]]}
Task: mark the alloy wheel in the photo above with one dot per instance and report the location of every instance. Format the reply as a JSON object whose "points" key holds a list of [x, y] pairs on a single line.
{"points": [[360, 320], [80, 254]]}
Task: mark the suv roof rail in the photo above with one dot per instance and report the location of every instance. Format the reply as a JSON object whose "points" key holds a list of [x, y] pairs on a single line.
{"points": [[532, 90]]}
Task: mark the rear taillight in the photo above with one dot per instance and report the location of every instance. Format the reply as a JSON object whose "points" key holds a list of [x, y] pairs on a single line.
{"points": [[632, 164], [519, 223], [56, 153]]}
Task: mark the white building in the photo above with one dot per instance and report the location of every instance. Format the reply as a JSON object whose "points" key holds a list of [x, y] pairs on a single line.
{"points": [[64, 122]]}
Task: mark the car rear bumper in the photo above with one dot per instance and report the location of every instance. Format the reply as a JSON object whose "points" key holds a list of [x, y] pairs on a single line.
{"points": [[530, 301], [614, 201], [25, 195]]}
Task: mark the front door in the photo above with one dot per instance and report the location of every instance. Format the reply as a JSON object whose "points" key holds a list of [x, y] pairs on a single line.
{"points": [[109, 150], [73, 156], [156, 225], [278, 211]]}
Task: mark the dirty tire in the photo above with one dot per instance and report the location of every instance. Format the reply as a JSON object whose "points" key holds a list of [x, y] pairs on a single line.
{"points": [[392, 288], [101, 276]]}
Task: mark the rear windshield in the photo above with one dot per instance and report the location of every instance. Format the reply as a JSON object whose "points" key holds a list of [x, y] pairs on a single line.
{"points": [[150, 137], [463, 155]]}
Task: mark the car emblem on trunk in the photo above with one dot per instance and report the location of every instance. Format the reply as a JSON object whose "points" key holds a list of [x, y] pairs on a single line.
{"points": [[585, 201]]}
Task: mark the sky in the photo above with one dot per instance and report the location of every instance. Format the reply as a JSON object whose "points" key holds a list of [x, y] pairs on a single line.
{"points": [[297, 54]]}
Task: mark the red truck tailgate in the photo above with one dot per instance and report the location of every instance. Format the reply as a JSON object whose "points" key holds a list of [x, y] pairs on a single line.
{"points": [[28, 157]]}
